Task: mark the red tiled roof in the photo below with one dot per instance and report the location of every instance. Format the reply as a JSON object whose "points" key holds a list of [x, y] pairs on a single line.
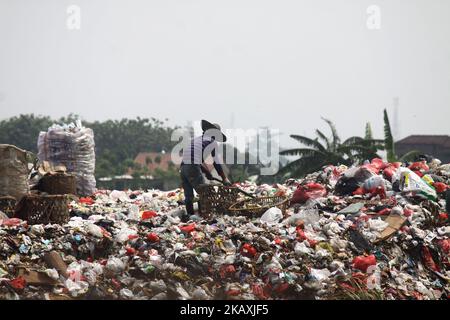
{"points": [[142, 157]]}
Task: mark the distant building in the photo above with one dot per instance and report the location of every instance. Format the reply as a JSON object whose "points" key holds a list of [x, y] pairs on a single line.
{"points": [[154, 160], [163, 162], [434, 145]]}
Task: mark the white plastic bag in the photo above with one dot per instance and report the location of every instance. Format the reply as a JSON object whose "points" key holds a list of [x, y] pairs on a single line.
{"points": [[272, 216], [411, 182]]}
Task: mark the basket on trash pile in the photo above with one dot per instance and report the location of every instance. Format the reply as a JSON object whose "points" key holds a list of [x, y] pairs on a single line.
{"points": [[257, 206], [216, 199], [8, 205], [59, 183], [37, 209]]}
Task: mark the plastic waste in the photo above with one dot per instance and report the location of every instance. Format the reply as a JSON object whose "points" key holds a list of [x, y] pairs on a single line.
{"points": [[308, 191], [272, 215], [411, 182], [364, 262]]}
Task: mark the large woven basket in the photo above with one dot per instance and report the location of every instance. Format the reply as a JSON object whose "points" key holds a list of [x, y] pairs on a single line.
{"points": [[216, 199], [257, 206], [43, 209], [59, 183], [8, 205]]}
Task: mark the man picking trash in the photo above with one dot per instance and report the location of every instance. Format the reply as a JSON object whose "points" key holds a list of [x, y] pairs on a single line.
{"points": [[193, 162]]}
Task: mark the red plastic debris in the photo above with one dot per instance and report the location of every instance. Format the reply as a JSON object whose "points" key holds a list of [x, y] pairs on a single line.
{"points": [[300, 233], [420, 166], [226, 269], [309, 191], [153, 237], [384, 212], [407, 212], [443, 216], [148, 215], [445, 245], [440, 187], [248, 250], [188, 228], [428, 259], [233, 292], [364, 262], [130, 251], [116, 283], [378, 163], [18, 283], [11, 222], [312, 243], [419, 173], [132, 236], [258, 291], [390, 170], [281, 287], [87, 200], [359, 191]]}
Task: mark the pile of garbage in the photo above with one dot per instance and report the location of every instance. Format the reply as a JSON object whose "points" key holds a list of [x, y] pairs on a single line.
{"points": [[71, 146], [376, 231]]}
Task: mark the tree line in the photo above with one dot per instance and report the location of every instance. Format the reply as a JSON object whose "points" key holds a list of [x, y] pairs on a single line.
{"points": [[117, 142]]}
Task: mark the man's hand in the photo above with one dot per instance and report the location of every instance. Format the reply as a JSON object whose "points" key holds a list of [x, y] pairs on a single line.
{"points": [[226, 182]]}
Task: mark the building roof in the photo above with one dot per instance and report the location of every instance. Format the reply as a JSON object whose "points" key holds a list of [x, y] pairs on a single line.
{"points": [[441, 140], [148, 159]]}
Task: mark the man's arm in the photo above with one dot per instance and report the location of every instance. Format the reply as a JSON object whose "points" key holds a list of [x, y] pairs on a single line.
{"points": [[206, 171], [217, 165]]}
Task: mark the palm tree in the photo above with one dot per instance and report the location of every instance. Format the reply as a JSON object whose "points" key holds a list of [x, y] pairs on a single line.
{"points": [[324, 151], [390, 145], [389, 139], [366, 148]]}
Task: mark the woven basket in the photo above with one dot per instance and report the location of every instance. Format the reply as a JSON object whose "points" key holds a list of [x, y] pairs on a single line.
{"points": [[216, 199], [257, 206], [37, 209], [8, 205], [59, 183]]}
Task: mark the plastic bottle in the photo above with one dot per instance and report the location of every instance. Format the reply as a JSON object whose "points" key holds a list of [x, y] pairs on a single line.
{"points": [[374, 182]]}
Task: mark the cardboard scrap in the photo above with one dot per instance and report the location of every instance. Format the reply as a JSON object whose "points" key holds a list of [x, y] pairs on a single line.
{"points": [[36, 278], [395, 222], [48, 168], [54, 260]]}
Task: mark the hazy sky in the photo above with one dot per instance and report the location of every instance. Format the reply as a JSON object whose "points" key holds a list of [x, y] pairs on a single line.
{"points": [[277, 63]]}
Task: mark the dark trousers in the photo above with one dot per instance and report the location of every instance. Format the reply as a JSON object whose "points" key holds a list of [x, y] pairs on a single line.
{"points": [[192, 179]]}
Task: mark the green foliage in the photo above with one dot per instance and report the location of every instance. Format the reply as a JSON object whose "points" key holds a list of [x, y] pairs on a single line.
{"points": [[166, 174], [368, 135], [329, 151], [389, 139], [117, 142], [23, 131]]}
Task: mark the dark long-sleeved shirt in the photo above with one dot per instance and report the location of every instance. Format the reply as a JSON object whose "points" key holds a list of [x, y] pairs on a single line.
{"points": [[195, 154]]}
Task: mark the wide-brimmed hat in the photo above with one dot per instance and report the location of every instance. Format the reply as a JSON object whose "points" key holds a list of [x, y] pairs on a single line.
{"points": [[206, 125]]}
